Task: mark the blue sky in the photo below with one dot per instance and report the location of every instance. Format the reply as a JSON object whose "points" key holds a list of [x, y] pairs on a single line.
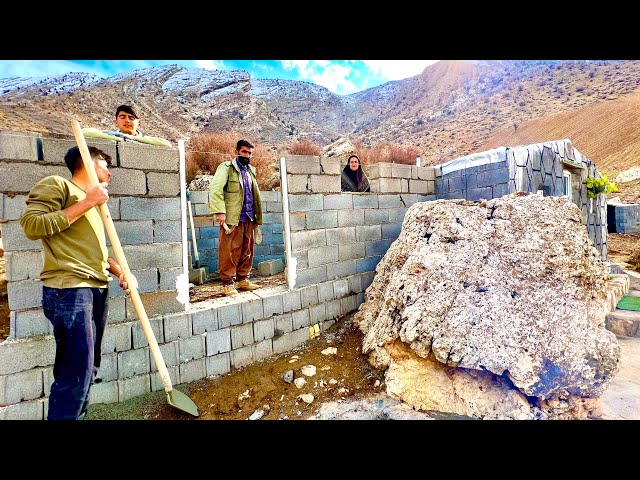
{"points": [[339, 76]]}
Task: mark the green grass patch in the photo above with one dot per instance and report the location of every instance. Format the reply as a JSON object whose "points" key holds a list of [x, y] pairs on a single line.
{"points": [[629, 302]]}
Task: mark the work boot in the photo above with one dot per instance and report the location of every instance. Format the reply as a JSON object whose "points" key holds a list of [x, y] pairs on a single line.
{"points": [[247, 285], [230, 290]]}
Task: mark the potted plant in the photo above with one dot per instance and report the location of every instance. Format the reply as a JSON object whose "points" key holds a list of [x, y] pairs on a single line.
{"points": [[598, 185]]}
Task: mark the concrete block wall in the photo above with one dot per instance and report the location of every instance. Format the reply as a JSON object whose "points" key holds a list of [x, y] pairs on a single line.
{"points": [[213, 338], [145, 209], [528, 168], [336, 235], [271, 248], [145, 206], [623, 217]]}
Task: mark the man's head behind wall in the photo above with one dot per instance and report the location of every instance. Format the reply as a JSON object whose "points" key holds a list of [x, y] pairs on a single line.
{"points": [[127, 120]]}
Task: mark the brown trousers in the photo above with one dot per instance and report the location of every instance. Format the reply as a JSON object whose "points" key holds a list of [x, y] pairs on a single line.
{"points": [[235, 252]]}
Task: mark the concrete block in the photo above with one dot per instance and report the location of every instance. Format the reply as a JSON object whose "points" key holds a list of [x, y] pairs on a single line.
{"points": [[24, 354], [149, 208], [367, 264], [262, 350], [117, 338], [365, 200], [390, 201], [304, 240], [156, 304], [167, 231], [340, 236], [133, 387], [311, 276], [301, 318], [133, 362], [192, 348], [298, 184], [117, 310], [32, 410], [317, 313], [378, 247], [20, 386], [204, 320], [252, 310], [169, 352], [340, 201], [355, 283], [305, 203], [20, 177], [325, 183], [177, 325], [341, 269], [263, 329], [198, 276], [13, 238], [148, 157], [390, 231], [321, 219], [376, 217], [23, 265], [351, 217], [368, 233], [133, 232], [165, 185], [218, 365], [54, 149], [351, 251], [340, 288], [107, 372], [381, 169], [24, 294], [333, 309], [270, 267], [105, 392], [242, 357], [138, 337], [297, 221], [164, 255], [218, 341], [168, 278], [13, 206], [29, 323], [330, 166], [19, 146], [309, 295], [125, 181], [241, 335], [290, 340], [272, 305], [325, 292], [303, 164], [322, 255], [282, 324], [291, 301], [229, 314], [271, 196], [156, 381], [348, 304], [192, 371]]}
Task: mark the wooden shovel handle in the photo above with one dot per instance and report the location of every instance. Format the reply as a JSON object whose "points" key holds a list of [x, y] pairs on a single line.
{"points": [[117, 248]]}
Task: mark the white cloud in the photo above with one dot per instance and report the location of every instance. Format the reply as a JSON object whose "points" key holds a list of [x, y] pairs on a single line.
{"points": [[334, 78], [210, 64], [397, 69]]}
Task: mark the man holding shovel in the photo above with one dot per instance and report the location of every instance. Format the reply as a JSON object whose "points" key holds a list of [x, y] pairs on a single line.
{"points": [[234, 198], [75, 276]]}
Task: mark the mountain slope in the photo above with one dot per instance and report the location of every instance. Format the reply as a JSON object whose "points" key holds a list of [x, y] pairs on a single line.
{"points": [[451, 109]]}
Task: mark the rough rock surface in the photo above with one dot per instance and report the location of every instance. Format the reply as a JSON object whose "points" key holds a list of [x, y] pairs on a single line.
{"points": [[492, 310], [341, 149]]}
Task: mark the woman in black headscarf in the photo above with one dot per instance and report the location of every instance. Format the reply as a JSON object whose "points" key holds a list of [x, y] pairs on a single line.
{"points": [[353, 177]]}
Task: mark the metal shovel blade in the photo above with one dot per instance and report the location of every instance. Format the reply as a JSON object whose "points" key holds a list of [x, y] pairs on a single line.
{"points": [[182, 402]]}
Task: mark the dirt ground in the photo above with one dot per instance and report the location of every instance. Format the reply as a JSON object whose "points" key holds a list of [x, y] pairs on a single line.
{"points": [[261, 390]]}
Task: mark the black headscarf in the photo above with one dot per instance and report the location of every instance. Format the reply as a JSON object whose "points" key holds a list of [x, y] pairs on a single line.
{"points": [[354, 180]]}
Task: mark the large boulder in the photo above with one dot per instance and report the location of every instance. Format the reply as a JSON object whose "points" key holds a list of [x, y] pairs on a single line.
{"points": [[493, 310], [341, 148]]}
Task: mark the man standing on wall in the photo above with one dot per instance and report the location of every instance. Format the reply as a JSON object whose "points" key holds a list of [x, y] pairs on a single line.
{"points": [[75, 276], [234, 198]]}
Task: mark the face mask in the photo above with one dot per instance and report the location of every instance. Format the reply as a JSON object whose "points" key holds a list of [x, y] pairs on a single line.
{"points": [[244, 161]]}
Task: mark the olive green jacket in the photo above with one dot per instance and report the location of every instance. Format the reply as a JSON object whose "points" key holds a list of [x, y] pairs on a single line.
{"points": [[226, 192]]}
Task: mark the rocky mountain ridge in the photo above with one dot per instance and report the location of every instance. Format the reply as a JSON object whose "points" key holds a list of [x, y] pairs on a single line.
{"points": [[449, 110]]}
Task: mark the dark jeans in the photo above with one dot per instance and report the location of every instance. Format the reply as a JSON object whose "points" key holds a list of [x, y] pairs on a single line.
{"points": [[79, 317]]}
